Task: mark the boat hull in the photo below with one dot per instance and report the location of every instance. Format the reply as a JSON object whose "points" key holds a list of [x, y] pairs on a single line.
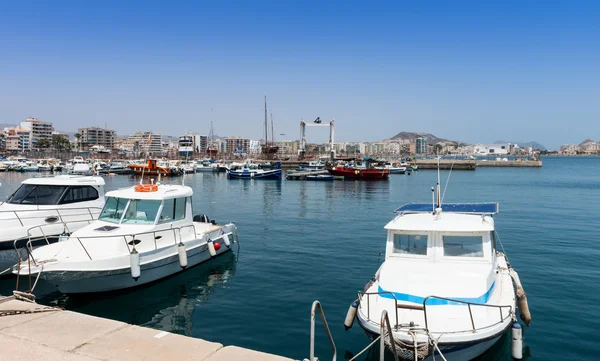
{"points": [[8, 253], [74, 282], [453, 351], [353, 173], [267, 174]]}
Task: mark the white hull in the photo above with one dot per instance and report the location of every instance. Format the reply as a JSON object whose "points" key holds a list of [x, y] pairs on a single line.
{"points": [[452, 352], [111, 280]]}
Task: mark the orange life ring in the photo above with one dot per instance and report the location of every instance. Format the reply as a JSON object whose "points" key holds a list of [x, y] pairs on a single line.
{"points": [[146, 188]]}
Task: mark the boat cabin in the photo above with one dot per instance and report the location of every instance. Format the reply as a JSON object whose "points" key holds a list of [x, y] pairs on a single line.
{"points": [[448, 252], [152, 205], [59, 190]]}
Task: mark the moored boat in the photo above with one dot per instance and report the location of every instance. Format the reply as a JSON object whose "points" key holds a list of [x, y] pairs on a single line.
{"points": [[358, 173], [444, 285], [43, 208], [153, 168], [251, 170], [144, 233]]}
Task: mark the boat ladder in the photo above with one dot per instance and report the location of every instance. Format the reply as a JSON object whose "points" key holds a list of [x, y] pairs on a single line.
{"points": [[385, 331]]}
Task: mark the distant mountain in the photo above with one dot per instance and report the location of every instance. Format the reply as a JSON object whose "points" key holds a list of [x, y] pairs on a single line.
{"points": [[431, 139], [532, 144], [589, 140]]}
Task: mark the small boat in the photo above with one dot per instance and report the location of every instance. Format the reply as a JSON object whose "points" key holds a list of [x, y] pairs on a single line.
{"points": [[395, 168], [78, 166], [28, 166], [350, 172], [188, 167], [144, 233], [206, 166], [45, 207], [312, 166], [153, 168], [443, 283], [320, 177], [116, 168], [251, 170]]}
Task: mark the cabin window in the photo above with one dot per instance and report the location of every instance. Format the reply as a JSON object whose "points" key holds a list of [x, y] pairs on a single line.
{"points": [[113, 209], [80, 194], [410, 244], [463, 246], [141, 211], [37, 194], [173, 210]]}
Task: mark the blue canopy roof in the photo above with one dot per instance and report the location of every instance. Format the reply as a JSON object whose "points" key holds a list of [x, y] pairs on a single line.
{"points": [[475, 208]]}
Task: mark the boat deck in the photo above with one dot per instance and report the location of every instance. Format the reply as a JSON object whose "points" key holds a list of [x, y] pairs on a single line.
{"points": [[40, 333]]}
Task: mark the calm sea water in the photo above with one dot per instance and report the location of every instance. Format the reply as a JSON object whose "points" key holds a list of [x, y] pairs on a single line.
{"points": [[303, 241]]}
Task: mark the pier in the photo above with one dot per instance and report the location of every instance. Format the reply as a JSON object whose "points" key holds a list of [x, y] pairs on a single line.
{"points": [[296, 175], [471, 164], [29, 331]]}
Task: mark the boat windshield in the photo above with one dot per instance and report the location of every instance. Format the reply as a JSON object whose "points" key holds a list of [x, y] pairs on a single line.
{"points": [[135, 211], [42, 195]]}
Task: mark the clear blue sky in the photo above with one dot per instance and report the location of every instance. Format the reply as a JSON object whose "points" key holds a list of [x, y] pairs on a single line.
{"points": [[470, 71]]}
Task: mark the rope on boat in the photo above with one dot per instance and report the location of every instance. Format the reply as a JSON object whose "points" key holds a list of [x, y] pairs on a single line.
{"points": [[409, 351], [29, 298], [366, 348], [434, 343]]}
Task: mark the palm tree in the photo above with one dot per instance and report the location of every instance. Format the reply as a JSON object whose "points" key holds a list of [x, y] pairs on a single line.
{"points": [[78, 136]]}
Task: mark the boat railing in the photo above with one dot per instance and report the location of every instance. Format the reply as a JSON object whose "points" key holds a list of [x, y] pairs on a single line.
{"points": [[503, 315], [369, 294], [59, 214], [504, 311], [132, 240], [313, 311]]}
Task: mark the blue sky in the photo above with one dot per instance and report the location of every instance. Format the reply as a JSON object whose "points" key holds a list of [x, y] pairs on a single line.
{"points": [[470, 71]]}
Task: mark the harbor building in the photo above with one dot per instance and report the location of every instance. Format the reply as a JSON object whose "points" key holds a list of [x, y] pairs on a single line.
{"points": [[18, 139], [2, 141], [97, 138], [494, 149], [147, 142], [38, 130], [421, 145], [238, 146]]}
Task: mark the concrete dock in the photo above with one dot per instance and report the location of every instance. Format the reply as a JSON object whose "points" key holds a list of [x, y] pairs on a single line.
{"points": [[29, 331], [468, 164]]}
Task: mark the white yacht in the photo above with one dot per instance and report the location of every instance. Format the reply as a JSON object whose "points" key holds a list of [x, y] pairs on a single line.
{"points": [[443, 283], [143, 234], [43, 208]]}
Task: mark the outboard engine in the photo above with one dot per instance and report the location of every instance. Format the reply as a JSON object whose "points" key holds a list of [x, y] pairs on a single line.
{"points": [[201, 218]]}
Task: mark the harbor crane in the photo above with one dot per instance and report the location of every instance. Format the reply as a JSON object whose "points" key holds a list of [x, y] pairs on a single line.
{"points": [[317, 123]]}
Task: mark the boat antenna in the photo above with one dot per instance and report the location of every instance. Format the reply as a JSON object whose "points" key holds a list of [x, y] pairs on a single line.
{"points": [[433, 199], [439, 195], [147, 149], [272, 131]]}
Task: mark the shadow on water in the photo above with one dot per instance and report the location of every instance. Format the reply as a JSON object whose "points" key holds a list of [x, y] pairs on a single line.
{"points": [[165, 305]]}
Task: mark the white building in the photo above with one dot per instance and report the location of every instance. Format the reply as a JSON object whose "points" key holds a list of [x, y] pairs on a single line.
{"points": [[494, 149], [255, 147], [147, 142]]}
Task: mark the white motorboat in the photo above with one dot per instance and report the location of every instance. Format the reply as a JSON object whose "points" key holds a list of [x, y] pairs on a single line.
{"points": [[444, 285], [206, 166], [43, 208], [78, 166], [143, 234]]}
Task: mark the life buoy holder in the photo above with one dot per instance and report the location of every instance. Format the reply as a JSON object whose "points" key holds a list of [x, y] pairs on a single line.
{"points": [[146, 188]]}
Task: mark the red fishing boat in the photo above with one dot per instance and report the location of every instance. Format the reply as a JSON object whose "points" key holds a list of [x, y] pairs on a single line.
{"points": [[359, 173]]}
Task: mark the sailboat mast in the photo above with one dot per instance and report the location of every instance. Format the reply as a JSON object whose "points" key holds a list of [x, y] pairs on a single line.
{"points": [[272, 131], [266, 129]]}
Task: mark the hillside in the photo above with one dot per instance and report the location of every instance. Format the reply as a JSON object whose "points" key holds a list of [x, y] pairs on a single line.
{"points": [[431, 139]]}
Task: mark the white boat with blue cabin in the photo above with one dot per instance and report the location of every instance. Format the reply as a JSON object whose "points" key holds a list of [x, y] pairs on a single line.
{"points": [[144, 233], [444, 285]]}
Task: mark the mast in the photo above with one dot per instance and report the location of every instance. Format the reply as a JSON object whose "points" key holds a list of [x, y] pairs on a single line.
{"points": [[272, 131], [266, 129]]}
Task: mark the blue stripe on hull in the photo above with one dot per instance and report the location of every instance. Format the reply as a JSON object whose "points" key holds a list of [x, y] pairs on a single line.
{"points": [[436, 301]]}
